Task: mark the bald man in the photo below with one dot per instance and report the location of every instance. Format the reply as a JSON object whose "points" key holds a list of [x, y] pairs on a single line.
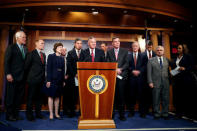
{"points": [[35, 66], [158, 80]]}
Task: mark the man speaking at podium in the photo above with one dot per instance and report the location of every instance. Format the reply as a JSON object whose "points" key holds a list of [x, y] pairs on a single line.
{"points": [[92, 54]]}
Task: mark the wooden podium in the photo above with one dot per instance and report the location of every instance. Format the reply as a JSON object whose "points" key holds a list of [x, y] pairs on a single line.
{"points": [[96, 90]]}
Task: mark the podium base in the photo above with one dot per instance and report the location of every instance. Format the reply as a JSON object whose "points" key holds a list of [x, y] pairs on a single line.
{"points": [[96, 124]]}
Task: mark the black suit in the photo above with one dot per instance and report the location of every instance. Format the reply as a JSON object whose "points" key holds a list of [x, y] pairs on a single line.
{"points": [[122, 61], [35, 78], [136, 83], [71, 91], [183, 94], [86, 57], [14, 65], [147, 90]]}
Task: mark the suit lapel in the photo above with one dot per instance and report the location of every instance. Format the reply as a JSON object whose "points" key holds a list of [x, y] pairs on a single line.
{"points": [[18, 50], [156, 62], [75, 54], [38, 56]]}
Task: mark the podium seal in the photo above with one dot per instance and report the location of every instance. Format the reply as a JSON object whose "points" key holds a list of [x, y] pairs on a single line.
{"points": [[97, 84]]}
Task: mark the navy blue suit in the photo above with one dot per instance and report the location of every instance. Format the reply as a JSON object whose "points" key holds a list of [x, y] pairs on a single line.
{"points": [[55, 74], [136, 83]]}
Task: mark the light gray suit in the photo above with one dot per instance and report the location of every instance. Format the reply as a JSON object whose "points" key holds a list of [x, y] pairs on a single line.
{"points": [[160, 79]]}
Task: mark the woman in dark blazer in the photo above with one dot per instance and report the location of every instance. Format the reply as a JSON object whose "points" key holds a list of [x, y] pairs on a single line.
{"points": [[55, 78], [181, 81]]}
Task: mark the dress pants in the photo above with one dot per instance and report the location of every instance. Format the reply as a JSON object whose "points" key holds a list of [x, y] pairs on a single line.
{"points": [[34, 95], [120, 93], [160, 94], [14, 97]]}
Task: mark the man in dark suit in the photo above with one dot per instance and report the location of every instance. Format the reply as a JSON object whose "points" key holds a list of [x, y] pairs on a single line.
{"points": [[120, 56], [149, 53], [158, 79], [104, 48], [71, 91], [14, 70], [35, 66], [136, 74], [92, 54]]}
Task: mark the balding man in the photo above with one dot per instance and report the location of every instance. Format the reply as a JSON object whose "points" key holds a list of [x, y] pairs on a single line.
{"points": [[35, 67], [136, 76], [158, 80], [92, 54], [14, 70]]}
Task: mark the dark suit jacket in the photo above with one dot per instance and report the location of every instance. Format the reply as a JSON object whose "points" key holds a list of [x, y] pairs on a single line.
{"points": [[122, 60], [14, 62], [186, 62], [144, 54], [55, 68], [139, 66], [72, 60], [86, 57], [35, 67]]}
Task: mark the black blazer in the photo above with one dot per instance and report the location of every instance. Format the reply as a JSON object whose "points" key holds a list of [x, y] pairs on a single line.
{"points": [[139, 66], [186, 62], [72, 60], [122, 60], [35, 67], [86, 57], [144, 54], [14, 62]]}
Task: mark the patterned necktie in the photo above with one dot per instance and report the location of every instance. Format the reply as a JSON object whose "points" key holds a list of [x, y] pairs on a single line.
{"points": [[150, 56], [22, 51], [92, 54], [41, 56], [78, 51], [116, 54], [160, 62], [135, 59]]}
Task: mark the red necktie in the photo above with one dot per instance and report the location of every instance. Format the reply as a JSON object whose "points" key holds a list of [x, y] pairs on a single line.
{"points": [[135, 59], [149, 55], [42, 59], [92, 54]]}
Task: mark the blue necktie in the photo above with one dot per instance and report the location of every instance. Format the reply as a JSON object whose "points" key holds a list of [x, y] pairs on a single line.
{"points": [[161, 65]]}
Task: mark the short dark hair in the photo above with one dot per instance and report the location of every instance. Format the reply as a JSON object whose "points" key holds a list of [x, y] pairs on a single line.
{"points": [[104, 43], [115, 38], [150, 43], [77, 39], [56, 45]]}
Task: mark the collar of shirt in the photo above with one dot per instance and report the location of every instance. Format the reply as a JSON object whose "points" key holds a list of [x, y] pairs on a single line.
{"points": [[158, 58], [135, 53], [116, 50], [147, 52], [19, 45], [77, 51], [91, 51], [39, 51]]}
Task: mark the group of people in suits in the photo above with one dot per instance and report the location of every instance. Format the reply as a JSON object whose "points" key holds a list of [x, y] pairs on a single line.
{"points": [[141, 77]]}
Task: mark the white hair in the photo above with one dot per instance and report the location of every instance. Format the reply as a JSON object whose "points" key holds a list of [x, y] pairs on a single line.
{"points": [[18, 34], [159, 47]]}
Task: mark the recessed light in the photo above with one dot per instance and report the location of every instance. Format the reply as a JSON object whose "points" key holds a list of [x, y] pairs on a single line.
{"points": [[93, 9], [26, 9], [125, 11], [59, 8], [175, 20], [153, 15], [95, 12]]}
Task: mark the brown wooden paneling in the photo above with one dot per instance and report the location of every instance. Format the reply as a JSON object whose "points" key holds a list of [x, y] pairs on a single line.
{"points": [[152, 6], [3, 45], [50, 33]]}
